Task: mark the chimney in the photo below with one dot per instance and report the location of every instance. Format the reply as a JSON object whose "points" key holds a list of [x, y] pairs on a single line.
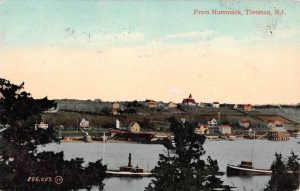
{"points": [[129, 160]]}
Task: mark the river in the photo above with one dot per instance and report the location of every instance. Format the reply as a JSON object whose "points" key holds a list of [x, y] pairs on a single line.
{"points": [[146, 156]]}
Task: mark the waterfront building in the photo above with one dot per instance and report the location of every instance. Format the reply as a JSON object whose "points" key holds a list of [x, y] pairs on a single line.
{"points": [[189, 101], [41, 125], [202, 129], [278, 133], [134, 127], [213, 126], [225, 129]]}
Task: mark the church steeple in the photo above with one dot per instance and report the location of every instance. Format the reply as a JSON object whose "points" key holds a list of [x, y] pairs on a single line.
{"points": [[190, 96]]}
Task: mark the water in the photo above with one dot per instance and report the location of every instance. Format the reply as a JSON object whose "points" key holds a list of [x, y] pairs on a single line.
{"points": [[146, 156]]}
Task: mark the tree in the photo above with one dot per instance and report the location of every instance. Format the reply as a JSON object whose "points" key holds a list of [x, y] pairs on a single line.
{"points": [[181, 167], [19, 159], [285, 173]]}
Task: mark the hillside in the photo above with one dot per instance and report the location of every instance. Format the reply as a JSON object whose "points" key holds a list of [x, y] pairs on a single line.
{"points": [[70, 112]]}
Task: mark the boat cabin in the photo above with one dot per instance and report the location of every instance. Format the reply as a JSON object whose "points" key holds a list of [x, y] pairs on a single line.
{"points": [[246, 164]]}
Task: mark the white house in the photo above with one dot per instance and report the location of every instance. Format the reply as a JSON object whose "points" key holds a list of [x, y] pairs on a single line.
{"points": [[84, 123], [216, 104], [212, 122]]}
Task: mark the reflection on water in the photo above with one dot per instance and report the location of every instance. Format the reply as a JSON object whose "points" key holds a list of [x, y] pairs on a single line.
{"points": [[146, 156]]}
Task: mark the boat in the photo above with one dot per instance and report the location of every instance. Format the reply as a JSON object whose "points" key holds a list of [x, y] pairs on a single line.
{"points": [[128, 171], [246, 167]]}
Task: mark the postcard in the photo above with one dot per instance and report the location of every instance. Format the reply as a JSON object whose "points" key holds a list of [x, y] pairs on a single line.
{"points": [[149, 95]]}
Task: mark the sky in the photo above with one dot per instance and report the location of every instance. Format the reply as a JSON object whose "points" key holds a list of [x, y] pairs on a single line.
{"points": [[152, 49]]}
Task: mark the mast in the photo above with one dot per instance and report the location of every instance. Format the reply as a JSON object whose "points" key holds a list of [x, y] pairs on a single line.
{"points": [[103, 149], [253, 148]]}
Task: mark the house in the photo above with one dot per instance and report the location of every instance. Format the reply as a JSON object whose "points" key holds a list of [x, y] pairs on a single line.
{"points": [[212, 122], [235, 106], [216, 104], [202, 105], [189, 101], [151, 103], [172, 105], [161, 104], [202, 129], [278, 134], [84, 124], [134, 127], [225, 129], [248, 107], [244, 123], [213, 126], [41, 125]]}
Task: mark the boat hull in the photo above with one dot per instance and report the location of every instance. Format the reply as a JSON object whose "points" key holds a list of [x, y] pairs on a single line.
{"points": [[241, 171], [113, 173]]}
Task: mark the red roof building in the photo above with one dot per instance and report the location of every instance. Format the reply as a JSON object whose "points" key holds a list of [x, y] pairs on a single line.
{"points": [[189, 101], [225, 129]]}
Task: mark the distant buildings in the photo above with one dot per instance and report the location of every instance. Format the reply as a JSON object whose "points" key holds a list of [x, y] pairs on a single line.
{"points": [[278, 134], [189, 101], [225, 129]]}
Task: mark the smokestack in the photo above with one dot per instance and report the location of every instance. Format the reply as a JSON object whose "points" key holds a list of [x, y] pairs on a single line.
{"points": [[129, 160]]}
